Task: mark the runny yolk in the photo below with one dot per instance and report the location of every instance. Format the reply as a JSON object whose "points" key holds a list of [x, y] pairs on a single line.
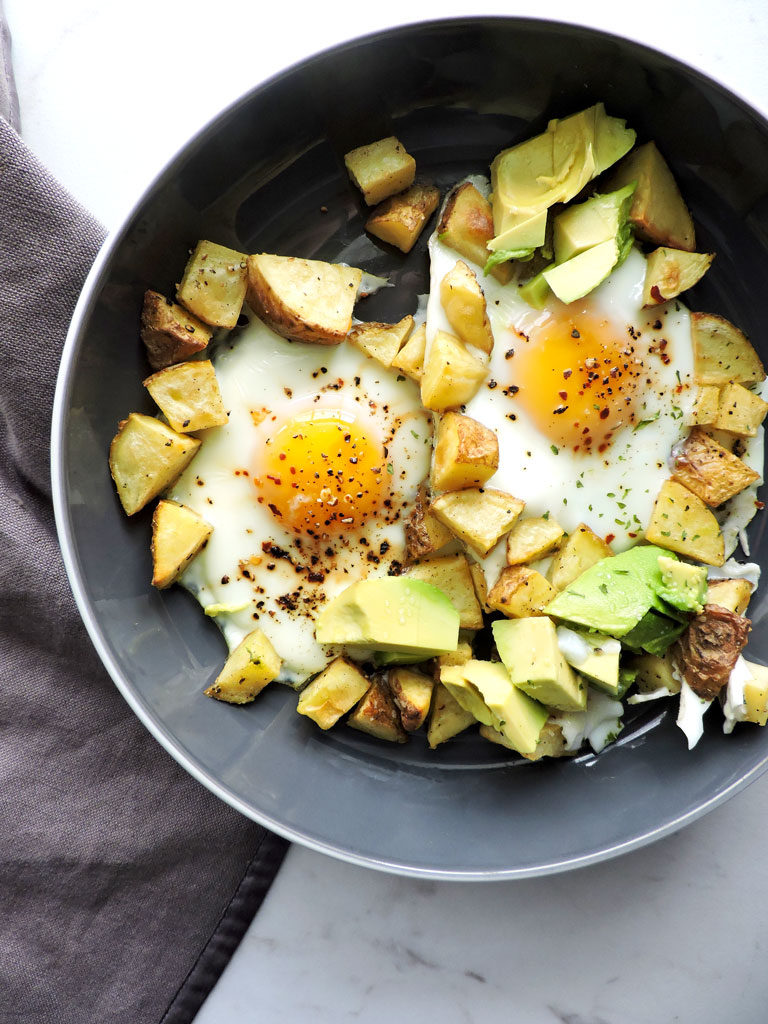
{"points": [[321, 474]]}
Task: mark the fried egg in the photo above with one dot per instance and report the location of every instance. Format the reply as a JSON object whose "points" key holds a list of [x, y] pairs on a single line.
{"points": [[307, 486]]}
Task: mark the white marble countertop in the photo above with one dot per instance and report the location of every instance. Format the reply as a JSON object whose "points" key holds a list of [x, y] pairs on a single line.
{"points": [[674, 932]]}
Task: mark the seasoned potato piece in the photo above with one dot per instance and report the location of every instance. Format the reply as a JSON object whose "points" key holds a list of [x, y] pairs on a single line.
{"points": [[476, 516], [247, 670], [447, 717], [410, 358], [581, 549], [145, 458], [467, 226], [481, 584], [170, 333], [213, 285], [451, 574], [452, 375], [377, 715], [520, 591], [705, 409], [333, 693], [731, 594], [709, 470], [551, 742], [401, 219], [668, 272], [380, 169], [188, 395], [654, 673], [681, 522], [304, 300], [466, 453], [381, 341], [740, 411], [178, 534], [463, 301], [721, 353], [532, 538], [462, 654], [756, 694], [412, 694], [424, 533]]}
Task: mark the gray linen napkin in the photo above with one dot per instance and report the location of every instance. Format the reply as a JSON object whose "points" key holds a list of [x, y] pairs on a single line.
{"points": [[124, 884]]}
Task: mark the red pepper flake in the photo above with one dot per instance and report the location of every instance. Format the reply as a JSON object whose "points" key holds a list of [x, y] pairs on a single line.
{"points": [[563, 394], [610, 537]]}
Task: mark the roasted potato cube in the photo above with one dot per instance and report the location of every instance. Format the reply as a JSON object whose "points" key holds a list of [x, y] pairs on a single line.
{"points": [[424, 533], [740, 411], [188, 395], [681, 522], [463, 302], [451, 574], [170, 333], [178, 534], [145, 458], [380, 169], [213, 285], [447, 717], [247, 670], [654, 672], [756, 694], [377, 714], [462, 654], [333, 693], [705, 408], [551, 742], [481, 584], [478, 517], [520, 591], [401, 219], [532, 538], [581, 549], [466, 225], [303, 300], [381, 341], [410, 358], [412, 694], [452, 375], [466, 453], [731, 594], [709, 470], [668, 272], [721, 353]]}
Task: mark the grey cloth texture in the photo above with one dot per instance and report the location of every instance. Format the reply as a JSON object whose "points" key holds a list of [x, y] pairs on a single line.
{"points": [[125, 885]]}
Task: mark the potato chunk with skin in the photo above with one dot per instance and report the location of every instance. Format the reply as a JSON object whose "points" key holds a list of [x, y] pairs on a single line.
{"points": [[520, 591], [249, 668], [709, 470], [721, 352], [481, 584], [381, 342], [452, 375], [451, 574], [412, 694], [705, 409], [478, 517], [466, 226], [410, 358], [188, 395], [333, 693], [145, 458], [463, 302], [668, 272], [681, 522], [581, 549], [213, 285], [303, 300], [447, 717], [731, 594], [424, 533], [740, 411], [380, 169], [401, 219], [170, 333], [532, 538], [178, 534], [466, 453], [377, 715]]}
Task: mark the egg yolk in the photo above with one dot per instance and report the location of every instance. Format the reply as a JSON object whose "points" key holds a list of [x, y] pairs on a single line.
{"points": [[322, 474], [577, 379]]}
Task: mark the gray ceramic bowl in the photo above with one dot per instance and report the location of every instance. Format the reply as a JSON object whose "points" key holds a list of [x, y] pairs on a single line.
{"points": [[455, 92]]}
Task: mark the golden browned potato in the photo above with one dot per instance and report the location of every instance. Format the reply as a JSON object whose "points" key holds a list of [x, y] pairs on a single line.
{"points": [[463, 302], [424, 533], [709, 470], [381, 342], [410, 358], [304, 300], [682, 522], [333, 693], [532, 538], [466, 225], [705, 409], [380, 169], [481, 584], [401, 219], [756, 694], [462, 654], [178, 534], [451, 574], [478, 517], [249, 668], [466, 453], [581, 549], [188, 395], [213, 285], [654, 672], [740, 411], [412, 694], [452, 375], [145, 458], [170, 333], [377, 714], [668, 272], [447, 717], [721, 352], [520, 591], [731, 594]]}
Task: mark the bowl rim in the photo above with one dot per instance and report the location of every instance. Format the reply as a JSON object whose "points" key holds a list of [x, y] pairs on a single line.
{"points": [[71, 348]]}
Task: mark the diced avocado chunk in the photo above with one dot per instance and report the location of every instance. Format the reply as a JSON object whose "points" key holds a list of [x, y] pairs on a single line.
{"points": [[597, 220], [523, 234], [627, 678], [391, 613], [530, 651], [684, 586], [583, 273], [654, 633], [454, 679], [602, 666], [536, 291]]}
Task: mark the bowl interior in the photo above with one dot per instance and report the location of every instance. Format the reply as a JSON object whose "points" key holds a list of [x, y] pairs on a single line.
{"points": [[268, 175]]}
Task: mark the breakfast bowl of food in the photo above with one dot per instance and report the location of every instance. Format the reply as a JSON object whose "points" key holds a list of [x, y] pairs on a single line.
{"points": [[407, 449]]}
